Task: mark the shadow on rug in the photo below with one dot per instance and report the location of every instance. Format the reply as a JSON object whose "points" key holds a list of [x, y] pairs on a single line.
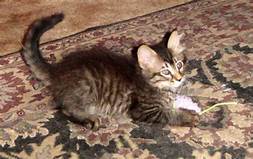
{"points": [[219, 42]]}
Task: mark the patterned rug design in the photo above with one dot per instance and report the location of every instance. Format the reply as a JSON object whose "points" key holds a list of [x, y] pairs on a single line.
{"points": [[219, 42]]}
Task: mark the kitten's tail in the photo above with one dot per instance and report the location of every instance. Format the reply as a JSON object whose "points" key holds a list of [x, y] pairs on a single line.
{"points": [[31, 53]]}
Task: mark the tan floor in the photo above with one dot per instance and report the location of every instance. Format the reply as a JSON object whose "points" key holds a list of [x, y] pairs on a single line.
{"points": [[15, 16]]}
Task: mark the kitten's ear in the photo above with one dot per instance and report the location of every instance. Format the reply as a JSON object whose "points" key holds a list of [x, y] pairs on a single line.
{"points": [[174, 43], [148, 59]]}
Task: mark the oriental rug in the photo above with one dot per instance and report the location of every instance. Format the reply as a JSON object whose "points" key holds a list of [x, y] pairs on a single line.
{"points": [[219, 42]]}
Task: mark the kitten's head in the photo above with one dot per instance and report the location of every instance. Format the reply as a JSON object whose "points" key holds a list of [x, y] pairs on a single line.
{"points": [[164, 69]]}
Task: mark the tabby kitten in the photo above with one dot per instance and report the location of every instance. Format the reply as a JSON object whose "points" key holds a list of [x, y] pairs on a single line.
{"points": [[89, 84]]}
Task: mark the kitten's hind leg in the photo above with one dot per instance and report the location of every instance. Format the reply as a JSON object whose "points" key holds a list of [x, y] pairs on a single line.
{"points": [[90, 121], [81, 106]]}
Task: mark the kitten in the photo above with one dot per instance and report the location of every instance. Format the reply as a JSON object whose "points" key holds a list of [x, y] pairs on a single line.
{"points": [[89, 84]]}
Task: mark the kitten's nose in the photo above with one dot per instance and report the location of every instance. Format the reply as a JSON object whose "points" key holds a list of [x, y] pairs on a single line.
{"points": [[178, 77]]}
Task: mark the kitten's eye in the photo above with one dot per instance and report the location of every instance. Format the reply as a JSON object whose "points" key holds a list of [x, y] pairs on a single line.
{"points": [[165, 72], [179, 64]]}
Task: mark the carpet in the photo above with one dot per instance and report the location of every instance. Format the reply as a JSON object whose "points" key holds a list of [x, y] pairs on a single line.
{"points": [[219, 42]]}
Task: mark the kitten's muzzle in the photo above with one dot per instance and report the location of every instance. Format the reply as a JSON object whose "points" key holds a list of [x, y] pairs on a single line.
{"points": [[177, 76], [179, 79]]}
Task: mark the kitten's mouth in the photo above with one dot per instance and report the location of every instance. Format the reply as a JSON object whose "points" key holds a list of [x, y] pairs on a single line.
{"points": [[171, 89]]}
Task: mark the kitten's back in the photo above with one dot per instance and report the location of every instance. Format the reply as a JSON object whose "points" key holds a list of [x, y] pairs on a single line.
{"points": [[99, 62]]}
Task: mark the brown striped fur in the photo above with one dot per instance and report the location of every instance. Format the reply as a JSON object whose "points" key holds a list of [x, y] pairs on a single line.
{"points": [[97, 82]]}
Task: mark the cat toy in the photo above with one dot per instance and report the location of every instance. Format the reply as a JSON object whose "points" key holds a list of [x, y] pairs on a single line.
{"points": [[185, 102]]}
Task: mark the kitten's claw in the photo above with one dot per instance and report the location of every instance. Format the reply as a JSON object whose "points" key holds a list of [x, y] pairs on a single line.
{"points": [[94, 124]]}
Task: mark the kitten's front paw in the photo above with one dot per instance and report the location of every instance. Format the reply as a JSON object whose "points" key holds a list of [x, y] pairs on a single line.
{"points": [[190, 118], [195, 120]]}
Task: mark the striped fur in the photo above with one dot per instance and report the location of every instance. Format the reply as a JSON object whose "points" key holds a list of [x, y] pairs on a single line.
{"points": [[91, 83]]}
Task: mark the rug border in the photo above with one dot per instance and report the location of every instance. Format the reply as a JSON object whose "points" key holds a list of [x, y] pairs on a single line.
{"points": [[197, 3]]}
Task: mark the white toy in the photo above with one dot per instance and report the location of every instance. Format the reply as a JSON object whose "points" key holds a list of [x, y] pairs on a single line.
{"points": [[185, 102]]}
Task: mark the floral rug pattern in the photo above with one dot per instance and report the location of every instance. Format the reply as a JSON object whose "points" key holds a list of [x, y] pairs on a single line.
{"points": [[219, 42]]}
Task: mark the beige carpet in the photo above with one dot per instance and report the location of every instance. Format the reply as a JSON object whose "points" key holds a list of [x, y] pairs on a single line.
{"points": [[15, 16]]}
